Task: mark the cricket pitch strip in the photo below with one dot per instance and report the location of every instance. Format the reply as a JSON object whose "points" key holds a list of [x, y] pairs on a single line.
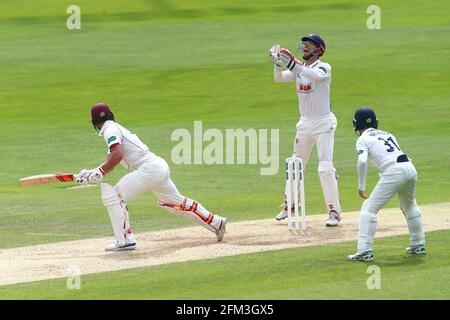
{"points": [[54, 260]]}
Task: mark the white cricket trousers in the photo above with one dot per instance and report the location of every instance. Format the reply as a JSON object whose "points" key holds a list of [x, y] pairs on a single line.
{"points": [[154, 176], [320, 131], [400, 178]]}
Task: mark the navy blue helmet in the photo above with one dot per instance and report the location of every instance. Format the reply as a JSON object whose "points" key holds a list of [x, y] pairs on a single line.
{"points": [[365, 118], [317, 40]]}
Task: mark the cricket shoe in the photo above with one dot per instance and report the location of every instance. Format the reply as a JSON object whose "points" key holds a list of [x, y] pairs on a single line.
{"points": [[333, 219], [220, 233], [130, 244], [363, 256], [283, 213], [416, 249]]}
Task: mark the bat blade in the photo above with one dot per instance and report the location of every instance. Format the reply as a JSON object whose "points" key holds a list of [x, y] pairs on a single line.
{"points": [[47, 179]]}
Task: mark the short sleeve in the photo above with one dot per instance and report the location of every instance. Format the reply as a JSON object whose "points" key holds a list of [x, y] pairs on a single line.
{"points": [[112, 136]]}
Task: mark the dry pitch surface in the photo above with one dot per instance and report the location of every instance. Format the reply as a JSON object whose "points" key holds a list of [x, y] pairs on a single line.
{"points": [[57, 260]]}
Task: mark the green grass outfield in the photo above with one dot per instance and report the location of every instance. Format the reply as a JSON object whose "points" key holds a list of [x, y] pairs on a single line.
{"points": [[161, 65], [305, 273]]}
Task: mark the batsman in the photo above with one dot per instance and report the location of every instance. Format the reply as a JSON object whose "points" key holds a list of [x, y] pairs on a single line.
{"points": [[317, 123], [148, 172]]}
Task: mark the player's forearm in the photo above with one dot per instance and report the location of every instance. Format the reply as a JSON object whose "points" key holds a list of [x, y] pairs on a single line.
{"points": [[110, 164], [112, 160], [282, 76], [362, 173]]}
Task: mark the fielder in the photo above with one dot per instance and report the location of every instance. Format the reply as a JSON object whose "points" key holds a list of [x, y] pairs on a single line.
{"points": [[148, 173], [317, 123], [397, 175]]}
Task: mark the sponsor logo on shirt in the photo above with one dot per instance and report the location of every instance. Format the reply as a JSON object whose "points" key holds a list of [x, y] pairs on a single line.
{"points": [[111, 139], [305, 87]]}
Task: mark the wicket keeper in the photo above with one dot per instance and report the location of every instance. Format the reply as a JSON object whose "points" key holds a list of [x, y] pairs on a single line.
{"points": [[317, 123]]}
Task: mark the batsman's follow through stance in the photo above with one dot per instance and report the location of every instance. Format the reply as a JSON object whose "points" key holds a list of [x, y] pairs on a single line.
{"points": [[148, 173], [397, 175], [317, 123]]}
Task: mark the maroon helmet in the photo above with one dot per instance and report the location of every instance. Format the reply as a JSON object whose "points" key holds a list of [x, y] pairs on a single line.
{"points": [[100, 113]]}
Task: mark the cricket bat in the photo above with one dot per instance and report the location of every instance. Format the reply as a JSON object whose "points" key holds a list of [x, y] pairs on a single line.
{"points": [[47, 179]]}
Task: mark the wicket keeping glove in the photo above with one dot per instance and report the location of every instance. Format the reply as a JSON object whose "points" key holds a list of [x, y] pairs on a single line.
{"points": [[273, 54], [288, 61]]}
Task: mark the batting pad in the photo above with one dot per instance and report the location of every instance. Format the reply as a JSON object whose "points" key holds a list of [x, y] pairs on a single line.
{"points": [[194, 210], [329, 185], [117, 212]]}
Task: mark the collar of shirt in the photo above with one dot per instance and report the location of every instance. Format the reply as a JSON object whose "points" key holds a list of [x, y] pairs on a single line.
{"points": [[105, 126], [314, 64], [368, 131]]}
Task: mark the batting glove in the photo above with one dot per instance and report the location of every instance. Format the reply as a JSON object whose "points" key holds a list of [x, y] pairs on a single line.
{"points": [[288, 61], [82, 176], [90, 176], [96, 175]]}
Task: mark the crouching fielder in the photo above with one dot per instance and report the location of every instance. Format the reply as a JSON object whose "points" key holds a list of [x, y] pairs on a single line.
{"points": [[148, 173], [398, 175]]}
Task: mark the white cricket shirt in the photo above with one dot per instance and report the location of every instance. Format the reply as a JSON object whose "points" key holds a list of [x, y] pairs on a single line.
{"points": [[136, 152], [380, 147], [312, 86]]}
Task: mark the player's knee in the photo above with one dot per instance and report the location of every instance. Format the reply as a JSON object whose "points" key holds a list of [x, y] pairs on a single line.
{"points": [[368, 216], [411, 212], [162, 170], [125, 197], [325, 166], [298, 154], [369, 206]]}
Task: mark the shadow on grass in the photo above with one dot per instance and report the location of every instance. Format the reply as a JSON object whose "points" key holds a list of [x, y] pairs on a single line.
{"points": [[405, 260]]}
